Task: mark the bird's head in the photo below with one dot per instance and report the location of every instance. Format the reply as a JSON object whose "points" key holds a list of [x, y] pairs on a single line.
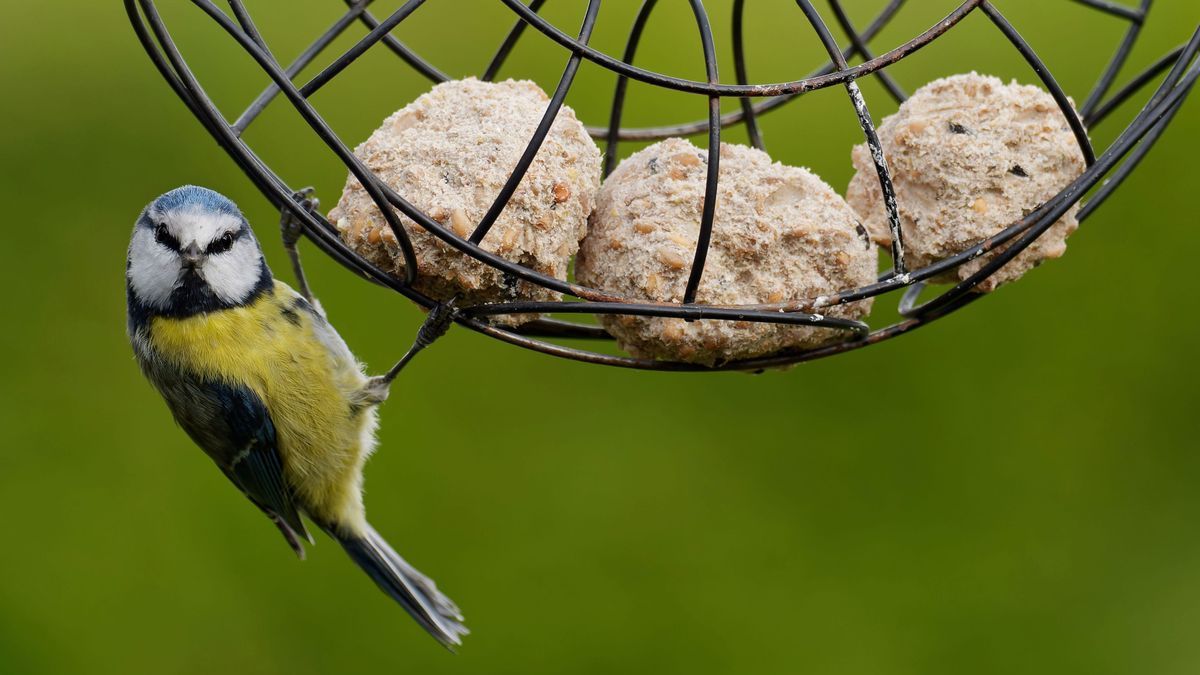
{"points": [[191, 252]]}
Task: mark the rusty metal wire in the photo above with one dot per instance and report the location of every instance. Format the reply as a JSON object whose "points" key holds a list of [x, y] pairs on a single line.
{"points": [[1112, 165]]}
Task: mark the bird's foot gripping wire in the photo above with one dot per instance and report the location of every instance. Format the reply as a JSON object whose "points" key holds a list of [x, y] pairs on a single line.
{"points": [[374, 392], [290, 230], [437, 322]]}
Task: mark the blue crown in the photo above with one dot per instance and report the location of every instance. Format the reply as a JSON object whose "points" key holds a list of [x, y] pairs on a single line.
{"points": [[192, 196]]}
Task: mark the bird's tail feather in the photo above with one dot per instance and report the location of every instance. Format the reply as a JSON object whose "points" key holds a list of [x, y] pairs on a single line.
{"points": [[415, 592]]}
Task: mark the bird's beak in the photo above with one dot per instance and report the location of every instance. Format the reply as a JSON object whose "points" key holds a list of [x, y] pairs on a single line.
{"points": [[192, 256]]}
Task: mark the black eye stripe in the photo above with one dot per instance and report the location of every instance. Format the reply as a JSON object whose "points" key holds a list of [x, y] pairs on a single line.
{"points": [[223, 243], [163, 236]]}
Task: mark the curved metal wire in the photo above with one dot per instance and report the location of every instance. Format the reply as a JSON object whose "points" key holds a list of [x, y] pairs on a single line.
{"points": [[1115, 163], [539, 134], [708, 210], [868, 128], [880, 21], [739, 62], [711, 89], [1060, 96], [613, 135]]}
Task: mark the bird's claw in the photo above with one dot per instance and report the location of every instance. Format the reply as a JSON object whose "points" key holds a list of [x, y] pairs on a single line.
{"points": [[375, 391], [291, 228]]}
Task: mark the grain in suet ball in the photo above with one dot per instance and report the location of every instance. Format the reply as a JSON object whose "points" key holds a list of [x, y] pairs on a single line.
{"points": [[969, 156], [449, 153], [780, 234]]}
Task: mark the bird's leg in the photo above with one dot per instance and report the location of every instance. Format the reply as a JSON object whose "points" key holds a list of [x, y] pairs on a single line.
{"points": [[290, 229], [437, 322]]}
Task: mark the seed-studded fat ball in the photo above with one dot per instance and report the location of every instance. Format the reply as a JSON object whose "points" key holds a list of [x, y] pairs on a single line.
{"points": [[969, 156], [449, 153], [780, 234]]}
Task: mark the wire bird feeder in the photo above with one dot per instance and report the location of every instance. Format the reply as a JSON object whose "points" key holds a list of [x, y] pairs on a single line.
{"points": [[1115, 162]]}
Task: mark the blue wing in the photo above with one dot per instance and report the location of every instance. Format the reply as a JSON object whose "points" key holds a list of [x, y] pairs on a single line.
{"points": [[233, 426], [256, 467]]}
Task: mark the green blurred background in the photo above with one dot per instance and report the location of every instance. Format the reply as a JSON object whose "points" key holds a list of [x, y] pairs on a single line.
{"points": [[1007, 491]]}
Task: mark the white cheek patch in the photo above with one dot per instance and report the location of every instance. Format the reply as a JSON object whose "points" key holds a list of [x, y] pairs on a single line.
{"points": [[233, 275], [153, 269]]}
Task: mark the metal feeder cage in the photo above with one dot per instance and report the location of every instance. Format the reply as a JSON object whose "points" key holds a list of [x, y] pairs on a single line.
{"points": [[1106, 169]]}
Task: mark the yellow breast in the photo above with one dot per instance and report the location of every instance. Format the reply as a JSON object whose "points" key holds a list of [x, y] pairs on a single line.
{"points": [[277, 348]]}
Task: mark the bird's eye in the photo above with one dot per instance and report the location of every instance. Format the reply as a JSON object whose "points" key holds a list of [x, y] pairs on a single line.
{"points": [[163, 236], [221, 244]]}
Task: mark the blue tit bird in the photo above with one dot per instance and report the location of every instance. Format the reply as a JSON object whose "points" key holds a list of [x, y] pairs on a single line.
{"points": [[259, 379]]}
